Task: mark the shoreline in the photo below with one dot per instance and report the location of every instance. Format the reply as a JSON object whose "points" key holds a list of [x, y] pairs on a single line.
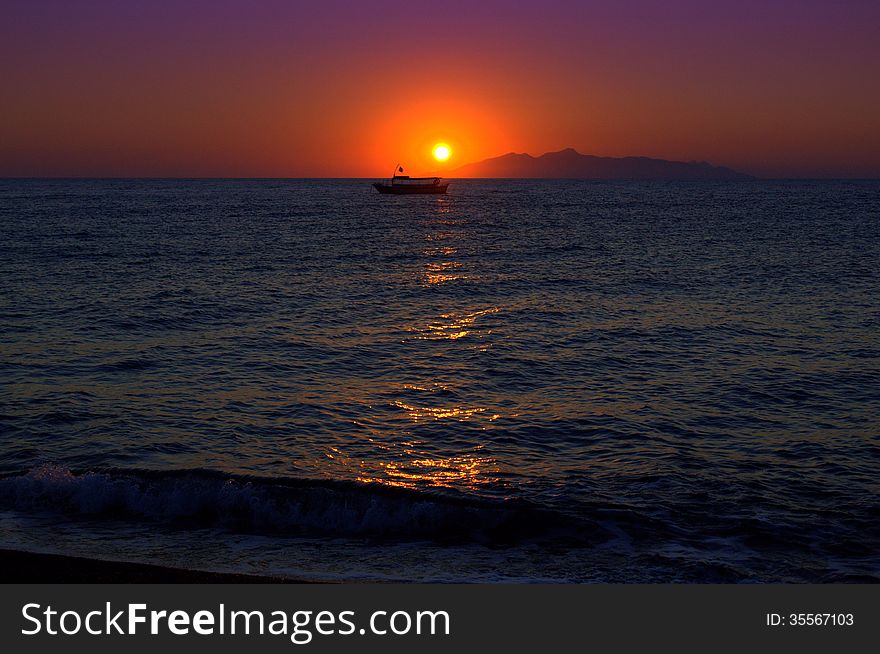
{"points": [[20, 567]]}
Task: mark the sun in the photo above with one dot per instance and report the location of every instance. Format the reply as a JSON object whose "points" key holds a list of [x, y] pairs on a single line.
{"points": [[441, 152]]}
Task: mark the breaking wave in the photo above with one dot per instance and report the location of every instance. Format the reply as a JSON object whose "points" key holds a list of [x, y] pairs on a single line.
{"points": [[310, 508]]}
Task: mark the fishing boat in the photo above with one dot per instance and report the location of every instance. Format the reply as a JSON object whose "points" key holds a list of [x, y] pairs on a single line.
{"points": [[406, 185]]}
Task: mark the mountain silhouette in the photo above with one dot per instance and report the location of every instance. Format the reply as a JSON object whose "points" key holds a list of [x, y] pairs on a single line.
{"points": [[570, 164]]}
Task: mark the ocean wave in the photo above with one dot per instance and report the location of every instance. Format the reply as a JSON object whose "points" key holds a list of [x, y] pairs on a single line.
{"points": [[306, 508]]}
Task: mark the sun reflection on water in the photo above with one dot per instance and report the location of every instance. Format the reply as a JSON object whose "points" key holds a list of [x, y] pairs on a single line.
{"points": [[440, 272], [423, 413], [443, 265], [409, 456], [452, 326], [443, 251], [465, 471]]}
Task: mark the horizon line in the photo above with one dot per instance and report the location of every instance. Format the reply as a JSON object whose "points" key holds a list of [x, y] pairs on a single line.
{"points": [[749, 178]]}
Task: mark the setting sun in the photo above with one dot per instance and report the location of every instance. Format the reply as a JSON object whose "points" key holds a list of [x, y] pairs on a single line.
{"points": [[441, 152]]}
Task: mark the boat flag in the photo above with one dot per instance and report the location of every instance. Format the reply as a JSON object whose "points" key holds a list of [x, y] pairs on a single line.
{"points": [[400, 169]]}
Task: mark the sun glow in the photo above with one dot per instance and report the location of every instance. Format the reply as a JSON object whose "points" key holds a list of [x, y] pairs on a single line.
{"points": [[441, 152]]}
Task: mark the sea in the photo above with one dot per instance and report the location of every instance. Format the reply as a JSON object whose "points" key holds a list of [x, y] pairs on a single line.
{"points": [[519, 381]]}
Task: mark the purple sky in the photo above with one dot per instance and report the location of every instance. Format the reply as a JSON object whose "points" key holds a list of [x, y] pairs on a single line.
{"points": [[331, 88]]}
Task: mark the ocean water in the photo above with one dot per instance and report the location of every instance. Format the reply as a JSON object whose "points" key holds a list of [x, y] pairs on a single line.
{"points": [[520, 381]]}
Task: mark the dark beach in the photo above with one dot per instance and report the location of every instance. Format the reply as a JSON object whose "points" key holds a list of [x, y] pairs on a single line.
{"points": [[31, 568]]}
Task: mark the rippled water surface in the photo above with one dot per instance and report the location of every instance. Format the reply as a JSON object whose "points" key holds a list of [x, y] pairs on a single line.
{"points": [[521, 380]]}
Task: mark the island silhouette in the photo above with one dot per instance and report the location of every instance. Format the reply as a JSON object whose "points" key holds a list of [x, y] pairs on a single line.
{"points": [[571, 164]]}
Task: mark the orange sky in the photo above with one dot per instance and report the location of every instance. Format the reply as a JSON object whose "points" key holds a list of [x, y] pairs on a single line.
{"points": [[292, 89]]}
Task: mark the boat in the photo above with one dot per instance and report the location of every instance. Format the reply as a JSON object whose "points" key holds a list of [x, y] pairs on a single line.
{"points": [[406, 185]]}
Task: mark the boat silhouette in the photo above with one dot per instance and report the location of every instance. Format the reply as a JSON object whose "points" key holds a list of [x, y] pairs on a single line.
{"points": [[406, 185]]}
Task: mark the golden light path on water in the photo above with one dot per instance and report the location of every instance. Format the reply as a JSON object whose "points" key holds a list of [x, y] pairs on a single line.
{"points": [[410, 466], [455, 472], [453, 326]]}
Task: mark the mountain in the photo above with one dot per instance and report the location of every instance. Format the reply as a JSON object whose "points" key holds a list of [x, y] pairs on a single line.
{"points": [[570, 164]]}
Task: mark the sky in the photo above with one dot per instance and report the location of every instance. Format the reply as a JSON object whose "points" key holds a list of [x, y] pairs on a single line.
{"points": [[236, 88]]}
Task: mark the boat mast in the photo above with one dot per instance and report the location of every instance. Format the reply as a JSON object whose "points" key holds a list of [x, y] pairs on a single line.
{"points": [[394, 174]]}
